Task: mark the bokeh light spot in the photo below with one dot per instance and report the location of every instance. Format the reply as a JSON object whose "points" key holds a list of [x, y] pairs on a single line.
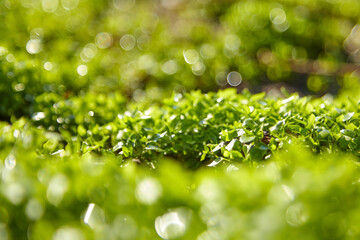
{"points": [[38, 116], [50, 5], [296, 215], [3, 51], [10, 162], [127, 42], [68, 233], [208, 51], [48, 66], [103, 40], [191, 56], [316, 83], [148, 191], [56, 189], [277, 16], [173, 224], [34, 46], [234, 78], [89, 52], [37, 33], [146, 62], [10, 58], [94, 217], [198, 68], [34, 209], [221, 78], [69, 4], [124, 227], [14, 192], [19, 87], [169, 67], [232, 42], [82, 70], [123, 5]]}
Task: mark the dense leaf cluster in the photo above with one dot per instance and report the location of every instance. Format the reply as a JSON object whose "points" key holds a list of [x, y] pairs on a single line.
{"points": [[200, 128]]}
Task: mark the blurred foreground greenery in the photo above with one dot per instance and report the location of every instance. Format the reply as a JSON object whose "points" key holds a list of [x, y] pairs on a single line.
{"points": [[297, 194]]}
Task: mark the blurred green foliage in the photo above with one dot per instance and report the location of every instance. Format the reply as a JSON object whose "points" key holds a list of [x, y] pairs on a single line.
{"points": [[148, 49], [91, 148]]}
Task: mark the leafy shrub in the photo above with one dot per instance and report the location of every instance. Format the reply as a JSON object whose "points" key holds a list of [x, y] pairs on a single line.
{"points": [[203, 128]]}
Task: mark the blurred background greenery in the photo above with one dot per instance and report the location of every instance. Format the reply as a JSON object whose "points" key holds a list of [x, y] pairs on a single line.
{"points": [[145, 50]]}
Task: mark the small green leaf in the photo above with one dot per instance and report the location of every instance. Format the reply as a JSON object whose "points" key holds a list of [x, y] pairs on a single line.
{"points": [[348, 132], [294, 128], [215, 162], [81, 130], [236, 155], [203, 157], [218, 147], [51, 144], [249, 123], [311, 120], [257, 153], [159, 136], [309, 108], [118, 146], [344, 141], [230, 146], [257, 97], [155, 148], [226, 154], [246, 138], [279, 126], [348, 116], [351, 126], [206, 149], [126, 151], [240, 132], [324, 133]]}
